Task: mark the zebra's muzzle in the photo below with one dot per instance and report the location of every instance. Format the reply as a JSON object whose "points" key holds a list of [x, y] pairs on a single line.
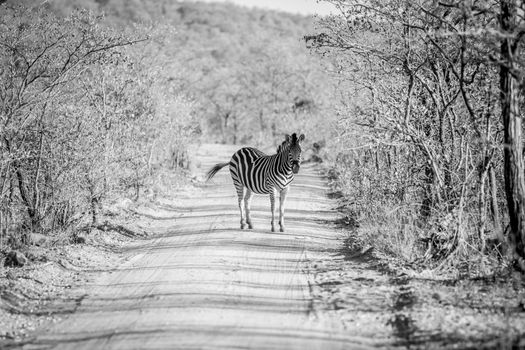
{"points": [[295, 166]]}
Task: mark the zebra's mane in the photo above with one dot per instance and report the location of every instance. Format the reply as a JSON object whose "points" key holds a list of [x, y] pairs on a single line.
{"points": [[281, 146], [292, 141]]}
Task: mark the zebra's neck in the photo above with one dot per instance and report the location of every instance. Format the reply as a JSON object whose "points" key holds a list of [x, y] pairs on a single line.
{"points": [[284, 157]]}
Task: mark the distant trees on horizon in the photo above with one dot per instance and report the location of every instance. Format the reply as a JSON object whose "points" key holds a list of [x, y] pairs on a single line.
{"points": [[102, 98]]}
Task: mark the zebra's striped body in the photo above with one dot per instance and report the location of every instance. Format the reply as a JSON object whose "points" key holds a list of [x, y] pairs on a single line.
{"points": [[260, 173], [252, 171]]}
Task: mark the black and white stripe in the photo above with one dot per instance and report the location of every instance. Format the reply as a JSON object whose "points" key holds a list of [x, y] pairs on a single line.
{"points": [[260, 173], [252, 171]]}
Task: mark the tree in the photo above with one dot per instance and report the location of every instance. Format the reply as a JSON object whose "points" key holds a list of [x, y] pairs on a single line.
{"points": [[41, 57], [427, 76], [513, 28], [84, 114]]}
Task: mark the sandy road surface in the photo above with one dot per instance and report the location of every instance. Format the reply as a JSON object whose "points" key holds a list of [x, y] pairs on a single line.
{"points": [[200, 282]]}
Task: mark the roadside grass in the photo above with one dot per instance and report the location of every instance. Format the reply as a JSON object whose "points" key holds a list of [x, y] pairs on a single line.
{"points": [[445, 245], [415, 248], [390, 236], [466, 293], [167, 183]]}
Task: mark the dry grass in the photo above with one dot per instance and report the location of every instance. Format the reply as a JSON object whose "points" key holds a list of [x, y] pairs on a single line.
{"points": [[391, 235], [442, 246]]}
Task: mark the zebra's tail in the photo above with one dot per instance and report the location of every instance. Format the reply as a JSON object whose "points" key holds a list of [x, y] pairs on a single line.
{"points": [[211, 173]]}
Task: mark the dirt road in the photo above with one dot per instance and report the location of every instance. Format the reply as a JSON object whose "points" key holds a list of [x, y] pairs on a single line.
{"points": [[200, 282]]}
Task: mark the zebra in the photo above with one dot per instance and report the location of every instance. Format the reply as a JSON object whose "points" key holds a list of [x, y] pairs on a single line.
{"points": [[252, 171]]}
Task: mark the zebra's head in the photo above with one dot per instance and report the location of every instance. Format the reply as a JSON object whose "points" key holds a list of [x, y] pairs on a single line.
{"points": [[294, 150]]}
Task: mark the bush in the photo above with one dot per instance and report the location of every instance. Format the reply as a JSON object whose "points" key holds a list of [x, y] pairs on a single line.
{"points": [[84, 110], [421, 126]]}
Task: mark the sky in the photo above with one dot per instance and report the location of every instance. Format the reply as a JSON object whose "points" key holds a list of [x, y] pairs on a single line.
{"points": [[305, 7]]}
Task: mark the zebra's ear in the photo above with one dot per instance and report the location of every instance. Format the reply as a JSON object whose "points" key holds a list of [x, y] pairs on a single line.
{"points": [[287, 138], [301, 138]]}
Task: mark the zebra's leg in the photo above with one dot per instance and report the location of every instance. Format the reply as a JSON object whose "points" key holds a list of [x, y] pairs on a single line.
{"points": [[247, 203], [240, 195], [282, 200], [272, 207]]}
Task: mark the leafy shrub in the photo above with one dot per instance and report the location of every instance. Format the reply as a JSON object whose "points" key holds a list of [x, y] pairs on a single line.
{"points": [[85, 112]]}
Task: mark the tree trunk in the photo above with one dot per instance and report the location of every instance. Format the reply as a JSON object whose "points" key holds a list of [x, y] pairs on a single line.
{"points": [[427, 202], [496, 219], [512, 151], [24, 194], [235, 129], [31, 210], [262, 125], [224, 126], [482, 205]]}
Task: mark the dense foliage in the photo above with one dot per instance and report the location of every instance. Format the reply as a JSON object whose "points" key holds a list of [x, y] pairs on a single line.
{"points": [[424, 125], [85, 112], [247, 69], [95, 106]]}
